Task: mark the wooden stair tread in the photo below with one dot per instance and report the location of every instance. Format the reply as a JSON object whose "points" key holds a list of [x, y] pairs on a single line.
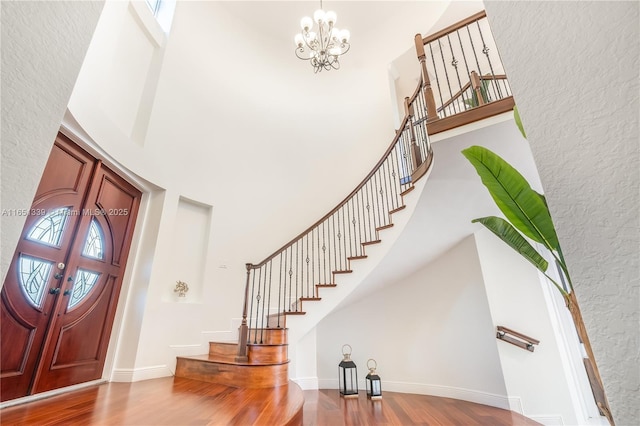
{"points": [[380, 228], [367, 243], [326, 285], [357, 257], [406, 191], [397, 209], [344, 271], [227, 359], [306, 299]]}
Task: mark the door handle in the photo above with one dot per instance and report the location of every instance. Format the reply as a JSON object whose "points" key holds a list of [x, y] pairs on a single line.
{"points": [[66, 292], [54, 291], [58, 276]]}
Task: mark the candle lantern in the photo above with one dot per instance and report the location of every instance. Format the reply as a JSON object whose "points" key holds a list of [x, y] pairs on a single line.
{"points": [[374, 387], [347, 375]]}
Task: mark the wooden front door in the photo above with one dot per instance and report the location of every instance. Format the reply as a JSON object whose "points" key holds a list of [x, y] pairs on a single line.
{"points": [[59, 297]]}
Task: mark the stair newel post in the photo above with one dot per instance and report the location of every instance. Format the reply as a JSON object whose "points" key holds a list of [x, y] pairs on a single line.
{"points": [[244, 328], [477, 87], [430, 101], [416, 158]]}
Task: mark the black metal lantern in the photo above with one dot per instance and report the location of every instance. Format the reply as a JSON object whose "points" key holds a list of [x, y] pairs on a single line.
{"points": [[348, 375], [374, 386]]}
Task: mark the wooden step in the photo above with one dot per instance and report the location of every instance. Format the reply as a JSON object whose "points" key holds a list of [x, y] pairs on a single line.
{"points": [[345, 271], [297, 305], [258, 353], [319, 286], [269, 336], [397, 209], [406, 191], [350, 258], [223, 348], [368, 243], [231, 373], [280, 319], [380, 228]]}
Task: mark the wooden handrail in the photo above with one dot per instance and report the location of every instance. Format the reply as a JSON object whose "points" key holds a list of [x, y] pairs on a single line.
{"points": [[451, 28], [352, 193], [521, 340]]}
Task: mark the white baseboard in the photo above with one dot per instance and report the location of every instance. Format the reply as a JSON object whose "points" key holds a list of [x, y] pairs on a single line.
{"points": [[307, 383], [138, 374], [512, 403], [485, 398], [552, 420]]}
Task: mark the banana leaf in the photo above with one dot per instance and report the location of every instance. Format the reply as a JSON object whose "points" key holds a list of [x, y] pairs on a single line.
{"points": [[514, 239], [516, 117], [523, 207]]}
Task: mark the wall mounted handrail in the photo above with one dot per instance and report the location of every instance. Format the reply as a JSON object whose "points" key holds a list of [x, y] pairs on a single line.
{"points": [[515, 338], [283, 280]]}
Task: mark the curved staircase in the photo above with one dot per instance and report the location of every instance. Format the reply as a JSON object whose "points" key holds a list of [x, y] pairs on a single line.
{"points": [[301, 278]]}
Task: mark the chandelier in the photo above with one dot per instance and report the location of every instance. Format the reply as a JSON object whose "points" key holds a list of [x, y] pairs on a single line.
{"points": [[323, 45]]}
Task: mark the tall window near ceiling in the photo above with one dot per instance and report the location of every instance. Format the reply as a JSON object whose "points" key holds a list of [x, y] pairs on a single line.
{"points": [[163, 12]]}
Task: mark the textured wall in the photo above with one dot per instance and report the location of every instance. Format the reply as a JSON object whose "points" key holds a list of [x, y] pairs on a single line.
{"points": [[40, 64], [574, 67]]}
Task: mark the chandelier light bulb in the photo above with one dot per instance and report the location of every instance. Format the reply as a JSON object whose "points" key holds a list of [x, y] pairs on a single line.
{"points": [[344, 36], [299, 40], [335, 34], [331, 18], [306, 24], [319, 16]]}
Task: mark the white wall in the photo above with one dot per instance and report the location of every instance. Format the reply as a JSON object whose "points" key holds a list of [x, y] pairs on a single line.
{"points": [[430, 333], [40, 64], [573, 67], [536, 381], [245, 130]]}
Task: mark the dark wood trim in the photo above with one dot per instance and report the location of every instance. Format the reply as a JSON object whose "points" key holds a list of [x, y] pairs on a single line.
{"points": [[471, 116], [424, 167]]}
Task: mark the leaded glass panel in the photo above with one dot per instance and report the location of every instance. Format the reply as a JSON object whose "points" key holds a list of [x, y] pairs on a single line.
{"points": [[33, 274], [94, 243], [48, 230], [82, 285]]}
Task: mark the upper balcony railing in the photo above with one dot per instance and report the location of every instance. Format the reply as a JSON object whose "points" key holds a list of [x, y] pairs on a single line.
{"points": [[463, 74]]}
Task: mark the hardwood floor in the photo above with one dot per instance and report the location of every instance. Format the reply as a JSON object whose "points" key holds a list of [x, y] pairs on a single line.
{"points": [[179, 401], [325, 407]]}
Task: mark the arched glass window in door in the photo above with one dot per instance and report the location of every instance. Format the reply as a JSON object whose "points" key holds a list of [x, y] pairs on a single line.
{"points": [[94, 243], [33, 275], [82, 285], [48, 230]]}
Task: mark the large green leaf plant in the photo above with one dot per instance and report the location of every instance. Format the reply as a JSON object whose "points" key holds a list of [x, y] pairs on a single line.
{"points": [[525, 209], [527, 216]]}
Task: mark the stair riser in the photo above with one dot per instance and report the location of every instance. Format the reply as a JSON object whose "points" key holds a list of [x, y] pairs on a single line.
{"points": [[245, 376], [261, 354], [222, 349], [269, 336]]}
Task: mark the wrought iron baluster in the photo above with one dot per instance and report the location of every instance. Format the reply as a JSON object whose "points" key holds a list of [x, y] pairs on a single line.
{"points": [[473, 49], [485, 50], [435, 72], [446, 73], [270, 268], [280, 289]]}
